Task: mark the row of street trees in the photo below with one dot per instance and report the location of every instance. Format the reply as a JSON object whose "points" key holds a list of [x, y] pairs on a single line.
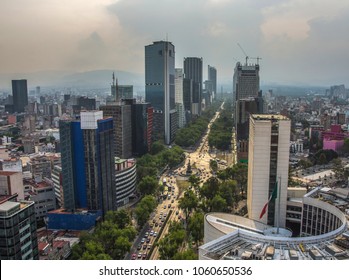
{"points": [[217, 194], [221, 130], [148, 168], [192, 132]]}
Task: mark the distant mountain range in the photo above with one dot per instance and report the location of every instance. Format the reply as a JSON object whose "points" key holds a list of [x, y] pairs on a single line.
{"points": [[103, 79], [89, 79]]}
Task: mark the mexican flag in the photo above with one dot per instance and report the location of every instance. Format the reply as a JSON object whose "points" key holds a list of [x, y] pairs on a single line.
{"points": [[273, 196]]}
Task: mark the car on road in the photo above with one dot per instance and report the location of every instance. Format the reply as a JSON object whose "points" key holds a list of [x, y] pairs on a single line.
{"points": [[134, 256], [144, 256], [139, 255], [139, 247], [164, 206], [155, 234]]}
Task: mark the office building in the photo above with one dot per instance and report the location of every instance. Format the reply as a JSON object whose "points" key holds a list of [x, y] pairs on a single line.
{"points": [[193, 70], [57, 183], [99, 160], [245, 81], [20, 95], [121, 114], [160, 85], [187, 98], [141, 126], [73, 167], [212, 76], [268, 162], [43, 194], [18, 240], [243, 109], [179, 97]]}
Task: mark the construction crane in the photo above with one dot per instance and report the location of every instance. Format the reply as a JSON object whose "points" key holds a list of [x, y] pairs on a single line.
{"points": [[246, 56]]}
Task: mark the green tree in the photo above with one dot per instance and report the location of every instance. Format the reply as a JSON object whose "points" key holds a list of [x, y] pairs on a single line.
{"points": [[144, 208], [93, 251], [322, 159], [194, 181], [218, 204], [214, 165], [121, 218], [157, 147], [148, 185], [196, 226], [170, 244], [305, 163], [186, 255], [227, 190], [188, 203], [210, 188]]}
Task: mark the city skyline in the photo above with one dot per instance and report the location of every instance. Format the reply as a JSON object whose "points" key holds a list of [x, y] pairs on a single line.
{"points": [[299, 42]]}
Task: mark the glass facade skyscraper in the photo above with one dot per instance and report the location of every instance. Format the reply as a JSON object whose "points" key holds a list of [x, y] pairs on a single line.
{"points": [[193, 71], [20, 95], [160, 82]]}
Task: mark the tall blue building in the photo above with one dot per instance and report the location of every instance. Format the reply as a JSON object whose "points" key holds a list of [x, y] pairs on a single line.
{"points": [[160, 86], [73, 168], [99, 160]]}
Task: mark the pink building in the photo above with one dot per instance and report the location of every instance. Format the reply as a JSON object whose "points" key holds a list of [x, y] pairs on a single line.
{"points": [[336, 145]]}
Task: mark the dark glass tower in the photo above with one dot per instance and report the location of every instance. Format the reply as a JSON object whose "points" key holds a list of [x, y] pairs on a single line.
{"points": [[160, 83], [20, 95], [193, 70]]}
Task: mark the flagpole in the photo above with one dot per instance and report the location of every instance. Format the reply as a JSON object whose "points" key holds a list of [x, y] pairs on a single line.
{"points": [[278, 211]]}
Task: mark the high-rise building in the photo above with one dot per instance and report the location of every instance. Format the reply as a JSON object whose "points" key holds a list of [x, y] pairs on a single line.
{"points": [[99, 160], [18, 240], [160, 84], [179, 97], [187, 94], [121, 114], [268, 162], [20, 95], [244, 107], [212, 76], [141, 126], [245, 81], [193, 70], [73, 167]]}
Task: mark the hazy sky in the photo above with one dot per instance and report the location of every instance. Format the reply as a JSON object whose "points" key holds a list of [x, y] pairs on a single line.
{"points": [[299, 41]]}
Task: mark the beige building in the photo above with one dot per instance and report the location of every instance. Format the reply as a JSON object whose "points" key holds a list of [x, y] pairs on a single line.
{"points": [[11, 183], [268, 158]]}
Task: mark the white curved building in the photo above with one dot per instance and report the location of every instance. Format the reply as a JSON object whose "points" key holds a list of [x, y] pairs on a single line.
{"points": [[125, 180], [323, 235]]}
